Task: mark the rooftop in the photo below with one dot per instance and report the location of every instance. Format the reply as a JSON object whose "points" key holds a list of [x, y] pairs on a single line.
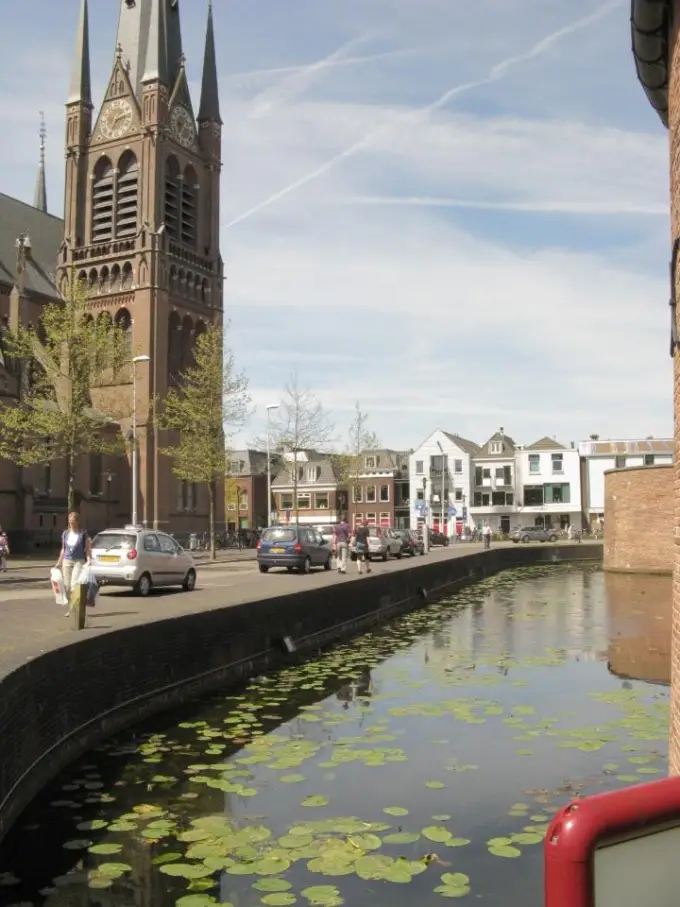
{"points": [[650, 31]]}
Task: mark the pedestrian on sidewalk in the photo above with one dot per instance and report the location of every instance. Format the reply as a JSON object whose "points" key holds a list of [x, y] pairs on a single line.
{"points": [[341, 543], [486, 534], [4, 550], [76, 552], [361, 536]]}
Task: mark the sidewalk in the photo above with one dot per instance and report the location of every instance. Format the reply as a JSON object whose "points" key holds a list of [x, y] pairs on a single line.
{"points": [[36, 570]]}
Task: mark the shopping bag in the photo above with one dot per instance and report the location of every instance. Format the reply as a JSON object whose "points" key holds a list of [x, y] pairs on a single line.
{"points": [[58, 587], [89, 587]]}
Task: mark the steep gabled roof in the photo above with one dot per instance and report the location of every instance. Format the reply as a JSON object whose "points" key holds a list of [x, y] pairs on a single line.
{"points": [[468, 446], [508, 448], [46, 233], [329, 475], [546, 443]]}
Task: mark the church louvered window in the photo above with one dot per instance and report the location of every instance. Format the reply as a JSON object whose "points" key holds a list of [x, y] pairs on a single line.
{"points": [[102, 201], [181, 203], [127, 196]]}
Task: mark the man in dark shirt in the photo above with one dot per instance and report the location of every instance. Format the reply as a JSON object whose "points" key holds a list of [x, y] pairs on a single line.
{"points": [[361, 536]]}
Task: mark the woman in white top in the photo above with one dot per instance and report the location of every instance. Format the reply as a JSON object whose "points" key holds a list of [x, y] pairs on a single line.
{"points": [[76, 550]]}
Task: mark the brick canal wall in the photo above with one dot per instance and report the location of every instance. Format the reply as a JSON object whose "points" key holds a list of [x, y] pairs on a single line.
{"points": [[639, 611], [639, 521], [62, 703]]}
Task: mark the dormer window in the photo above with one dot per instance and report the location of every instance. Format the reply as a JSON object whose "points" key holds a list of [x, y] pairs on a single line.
{"points": [[313, 473], [496, 447], [370, 462]]}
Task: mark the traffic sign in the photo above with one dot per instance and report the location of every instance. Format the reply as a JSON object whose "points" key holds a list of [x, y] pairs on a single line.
{"points": [[452, 511]]}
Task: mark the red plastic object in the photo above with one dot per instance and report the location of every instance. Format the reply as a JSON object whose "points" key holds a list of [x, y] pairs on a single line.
{"points": [[582, 825]]}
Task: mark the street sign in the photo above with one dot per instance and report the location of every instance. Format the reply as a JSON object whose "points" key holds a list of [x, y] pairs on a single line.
{"points": [[452, 511]]}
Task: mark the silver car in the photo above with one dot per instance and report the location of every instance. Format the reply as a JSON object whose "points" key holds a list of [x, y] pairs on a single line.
{"points": [[533, 534], [382, 543], [141, 559]]}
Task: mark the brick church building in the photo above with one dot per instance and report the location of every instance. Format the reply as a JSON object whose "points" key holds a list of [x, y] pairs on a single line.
{"points": [[141, 227]]}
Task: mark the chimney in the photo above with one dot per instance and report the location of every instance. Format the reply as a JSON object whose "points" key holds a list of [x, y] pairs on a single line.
{"points": [[594, 437]]}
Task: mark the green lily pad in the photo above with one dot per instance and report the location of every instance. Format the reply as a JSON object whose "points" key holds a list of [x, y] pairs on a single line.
{"points": [[77, 844], [401, 837], [291, 779], [322, 896], [315, 800], [435, 785], [166, 858], [271, 864], [457, 842], [114, 870], [272, 885], [93, 825], [196, 900], [441, 817], [395, 811], [507, 851], [437, 833], [525, 752], [186, 870], [280, 899], [99, 882], [105, 849], [527, 837], [122, 826]]}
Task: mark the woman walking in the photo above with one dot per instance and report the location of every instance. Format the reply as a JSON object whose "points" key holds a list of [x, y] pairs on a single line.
{"points": [[4, 550], [76, 551]]}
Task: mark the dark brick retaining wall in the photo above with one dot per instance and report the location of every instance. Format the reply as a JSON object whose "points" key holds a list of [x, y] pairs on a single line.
{"points": [[62, 703]]}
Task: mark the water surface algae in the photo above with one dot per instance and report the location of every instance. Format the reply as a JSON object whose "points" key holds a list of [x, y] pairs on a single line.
{"points": [[245, 855]]}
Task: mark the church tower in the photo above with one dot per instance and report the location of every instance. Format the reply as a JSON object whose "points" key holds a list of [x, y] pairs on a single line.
{"points": [[142, 215]]}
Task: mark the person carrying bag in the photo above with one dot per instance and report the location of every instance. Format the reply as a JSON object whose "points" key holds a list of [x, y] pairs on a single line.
{"points": [[75, 554]]}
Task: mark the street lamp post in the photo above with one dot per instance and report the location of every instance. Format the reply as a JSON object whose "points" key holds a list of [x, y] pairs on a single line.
{"points": [[444, 463], [270, 407], [426, 538], [135, 492]]}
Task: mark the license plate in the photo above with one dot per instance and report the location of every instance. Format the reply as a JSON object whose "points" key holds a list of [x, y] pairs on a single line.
{"points": [[108, 559], [278, 550]]}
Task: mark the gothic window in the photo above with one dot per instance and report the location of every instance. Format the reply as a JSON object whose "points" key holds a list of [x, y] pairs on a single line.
{"points": [[172, 213], [174, 347], [205, 290], [126, 279], [190, 283], [104, 282], [115, 278], [123, 321], [189, 204], [187, 343], [126, 195], [103, 320], [199, 330], [82, 279], [92, 281], [102, 201], [173, 279], [197, 287]]}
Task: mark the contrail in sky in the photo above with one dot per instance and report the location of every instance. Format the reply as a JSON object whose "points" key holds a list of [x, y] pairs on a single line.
{"points": [[239, 77], [496, 73], [300, 81]]}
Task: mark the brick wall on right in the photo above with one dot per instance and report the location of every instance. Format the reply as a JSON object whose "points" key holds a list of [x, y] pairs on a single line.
{"points": [[639, 519]]}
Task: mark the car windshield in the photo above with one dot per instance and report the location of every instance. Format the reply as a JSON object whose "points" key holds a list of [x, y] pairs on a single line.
{"points": [[373, 532], [110, 540], [279, 534]]}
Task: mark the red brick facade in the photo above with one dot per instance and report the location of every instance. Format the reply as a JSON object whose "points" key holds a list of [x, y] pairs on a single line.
{"points": [[638, 529]]}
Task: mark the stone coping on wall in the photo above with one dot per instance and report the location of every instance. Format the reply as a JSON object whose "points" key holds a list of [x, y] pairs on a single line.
{"points": [[76, 694]]}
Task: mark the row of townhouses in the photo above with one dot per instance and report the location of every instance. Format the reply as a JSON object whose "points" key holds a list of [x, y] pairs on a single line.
{"points": [[449, 482]]}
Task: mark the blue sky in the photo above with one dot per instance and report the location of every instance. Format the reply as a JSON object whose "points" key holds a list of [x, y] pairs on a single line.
{"points": [[453, 212]]}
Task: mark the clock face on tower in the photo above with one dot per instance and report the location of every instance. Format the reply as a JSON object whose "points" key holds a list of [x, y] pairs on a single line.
{"points": [[182, 126], [116, 120]]}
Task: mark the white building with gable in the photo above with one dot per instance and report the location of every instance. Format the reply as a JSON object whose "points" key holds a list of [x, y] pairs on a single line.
{"points": [[548, 485], [440, 472]]}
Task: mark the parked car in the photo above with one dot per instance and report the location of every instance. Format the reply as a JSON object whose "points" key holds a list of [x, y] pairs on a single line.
{"points": [[293, 547], [142, 559], [411, 542], [533, 534], [382, 543], [325, 530], [435, 537]]}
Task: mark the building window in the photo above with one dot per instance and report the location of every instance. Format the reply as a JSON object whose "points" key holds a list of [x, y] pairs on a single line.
{"points": [[102, 201], [385, 494], [313, 473], [496, 447], [370, 494], [498, 499], [180, 202], [458, 466], [191, 496], [533, 495], [420, 494], [180, 495], [649, 459], [127, 185], [321, 500], [370, 462], [304, 500], [478, 499], [243, 500], [534, 463], [286, 500], [419, 467], [620, 462], [436, 463], [370, 519], [509, 499], [478, 475], [557, 463], [507, 475], [499, 474], [385, 519], [232, 505], [557, 494], [358, 495], [486, 473], [459, 494], [485, 500]]}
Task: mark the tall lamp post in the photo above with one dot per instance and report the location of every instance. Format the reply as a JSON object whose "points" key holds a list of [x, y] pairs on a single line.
{"points": [[135, 492], [270, 407], [444, 463], [426, 536]]}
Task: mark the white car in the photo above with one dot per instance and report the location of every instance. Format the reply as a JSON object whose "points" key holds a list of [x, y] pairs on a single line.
{"points": [[142, 559]]}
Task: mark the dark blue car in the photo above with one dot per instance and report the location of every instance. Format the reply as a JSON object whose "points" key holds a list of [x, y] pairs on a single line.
{"points": [[293, 547]]}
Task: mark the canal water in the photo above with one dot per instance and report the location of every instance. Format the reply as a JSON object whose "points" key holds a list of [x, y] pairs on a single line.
{"points": [[419, 762]]}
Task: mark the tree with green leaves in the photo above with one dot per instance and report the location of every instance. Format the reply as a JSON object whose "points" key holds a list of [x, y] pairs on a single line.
{"points": [[360, 439], [301, 423], [58, 369], [209, 404]]}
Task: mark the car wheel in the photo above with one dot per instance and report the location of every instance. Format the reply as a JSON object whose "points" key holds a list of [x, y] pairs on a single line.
{"points": [[189, 583], [525, 538], [143, 585], [447, 542], [328, 565], [552, 538], [263, 568], [400, 554], [515, 541], [307, 566]]}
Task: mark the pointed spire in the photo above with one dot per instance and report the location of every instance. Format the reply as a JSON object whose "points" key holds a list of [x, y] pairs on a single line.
{"points": [[210, 92], [81, 85], [40, 198], [156, 63]]}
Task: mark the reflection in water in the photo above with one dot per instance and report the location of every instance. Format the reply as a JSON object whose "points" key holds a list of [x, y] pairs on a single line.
{"points": [[411, 763], [639, 610]]}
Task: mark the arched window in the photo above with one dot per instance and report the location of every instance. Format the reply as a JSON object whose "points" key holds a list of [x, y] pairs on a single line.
{"points": [[189, 205], [82, 280], [123, 322], [115, 277], [172, 198], [187, 358], [126, 278], [102, 201], [92, 281], [174, 347], [126, 195], [205, 290], [197, 287], [104, 282], [103, 358], [190, 283], [173, 279]]}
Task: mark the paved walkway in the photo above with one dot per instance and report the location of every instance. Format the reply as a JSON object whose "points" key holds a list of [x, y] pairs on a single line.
{"points": [[31, 623]]}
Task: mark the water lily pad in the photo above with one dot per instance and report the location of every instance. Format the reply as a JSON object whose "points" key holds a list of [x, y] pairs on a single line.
{"points": [[99, 882], [186, 870], [457, 842], [272, 885], [93, 825], [402, 837], [437, 833], [166, 858], [454, 885], [114, 870], [395, 811], [441, 817], [77, 844], [323, 896], [280, 899], [196, 900], [122, 826], [527, 837], [507, 851], [291, 779], [435, 785], [272, 864], [315, 800]]}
